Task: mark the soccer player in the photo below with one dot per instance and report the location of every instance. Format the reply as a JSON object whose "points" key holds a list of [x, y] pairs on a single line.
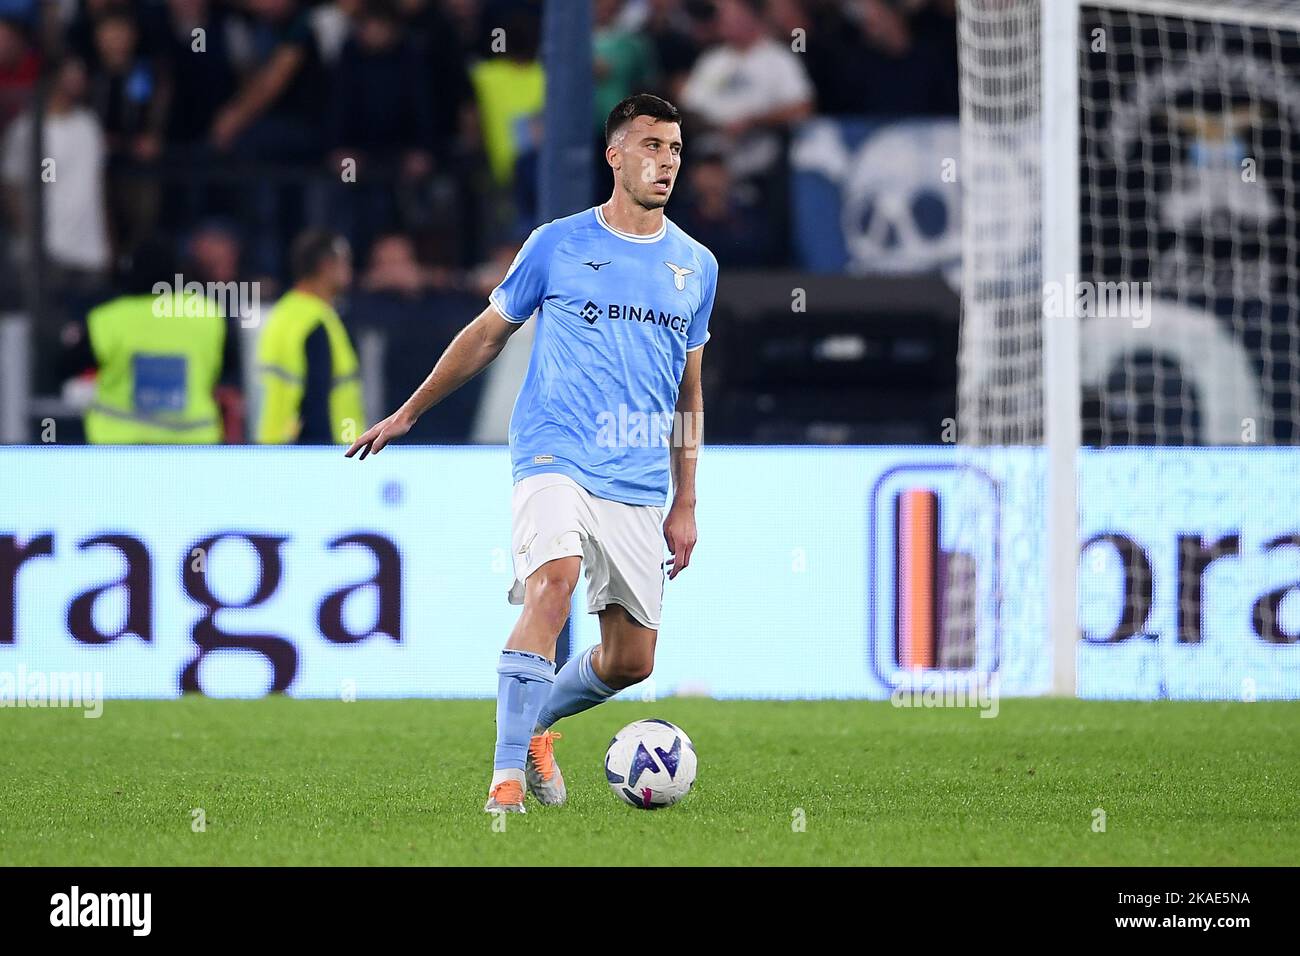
{"points": [[610, 405]]}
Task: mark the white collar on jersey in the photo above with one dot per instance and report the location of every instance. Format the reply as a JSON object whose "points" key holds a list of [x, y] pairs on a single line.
{"points": [[632, 237]]}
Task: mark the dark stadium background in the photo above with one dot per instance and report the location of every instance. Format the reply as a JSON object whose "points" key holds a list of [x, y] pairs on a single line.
{"points": [[440, 105]]}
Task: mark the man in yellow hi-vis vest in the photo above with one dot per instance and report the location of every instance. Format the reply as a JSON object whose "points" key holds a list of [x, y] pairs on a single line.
{"points": [[308, 371], [159, 352]]}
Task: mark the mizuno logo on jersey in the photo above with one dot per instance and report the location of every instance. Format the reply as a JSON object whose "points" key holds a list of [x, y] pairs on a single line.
{"points": [[595, 266], [679, 275]]}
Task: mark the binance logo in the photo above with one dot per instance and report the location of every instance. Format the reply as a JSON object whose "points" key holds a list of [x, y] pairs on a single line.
{"points": [[590, 312]]}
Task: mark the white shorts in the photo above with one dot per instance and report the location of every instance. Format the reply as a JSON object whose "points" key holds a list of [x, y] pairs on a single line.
{"points": [[622, 545]]}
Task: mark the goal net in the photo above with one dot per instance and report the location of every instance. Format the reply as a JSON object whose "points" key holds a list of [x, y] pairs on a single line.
{"points": [[1130, 336]]}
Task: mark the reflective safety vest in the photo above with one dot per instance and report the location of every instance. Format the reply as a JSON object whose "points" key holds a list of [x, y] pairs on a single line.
{"points": [[159, 359], [282, 371], [507, 92]]}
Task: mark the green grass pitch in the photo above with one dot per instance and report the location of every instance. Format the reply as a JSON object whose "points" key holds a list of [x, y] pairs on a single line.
{"points": [[284, 781]]}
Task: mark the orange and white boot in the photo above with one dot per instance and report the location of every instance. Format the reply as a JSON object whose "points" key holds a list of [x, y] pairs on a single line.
{"points": [[545, 782], [506, 797]]}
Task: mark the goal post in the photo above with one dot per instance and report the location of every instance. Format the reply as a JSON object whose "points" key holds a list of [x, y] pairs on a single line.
{"points": [[1130, 285], [1062, 428]]}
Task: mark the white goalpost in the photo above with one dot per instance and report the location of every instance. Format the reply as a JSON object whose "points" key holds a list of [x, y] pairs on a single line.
{"points": [[1062, 430], [1131, 275]]}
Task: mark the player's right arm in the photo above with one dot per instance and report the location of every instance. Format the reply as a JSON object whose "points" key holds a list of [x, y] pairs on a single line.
{"points": [[519, 295], [471, 351]]}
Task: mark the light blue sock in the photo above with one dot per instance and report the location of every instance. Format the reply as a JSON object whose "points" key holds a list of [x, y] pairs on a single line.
{"points": [[523, 683], [576, 688]]}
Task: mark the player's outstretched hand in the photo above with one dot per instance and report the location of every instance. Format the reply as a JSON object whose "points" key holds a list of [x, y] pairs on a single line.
{"points": [[680, 534], [380, 434]]}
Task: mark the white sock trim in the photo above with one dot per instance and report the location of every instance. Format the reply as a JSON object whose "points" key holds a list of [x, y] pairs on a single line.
{"points": [[501, 776]]}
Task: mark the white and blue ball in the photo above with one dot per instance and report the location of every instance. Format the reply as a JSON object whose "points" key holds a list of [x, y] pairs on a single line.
{"points": [[650, 764]]}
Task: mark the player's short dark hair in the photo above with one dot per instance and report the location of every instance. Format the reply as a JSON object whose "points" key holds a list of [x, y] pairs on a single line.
{"points": [[311, 250], [639, 104]]}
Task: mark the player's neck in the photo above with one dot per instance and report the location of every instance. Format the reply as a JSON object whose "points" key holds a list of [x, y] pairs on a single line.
{"points": [[623, 214]]}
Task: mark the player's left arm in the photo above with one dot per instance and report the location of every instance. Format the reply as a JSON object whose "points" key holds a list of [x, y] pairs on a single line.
{"points": [[688, 431]]}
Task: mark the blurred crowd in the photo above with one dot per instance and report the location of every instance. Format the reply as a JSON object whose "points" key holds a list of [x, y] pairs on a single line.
{"points": [[411, 127]]}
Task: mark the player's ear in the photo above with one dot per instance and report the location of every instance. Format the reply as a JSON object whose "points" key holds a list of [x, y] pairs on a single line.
{"points": [[613, 156]]}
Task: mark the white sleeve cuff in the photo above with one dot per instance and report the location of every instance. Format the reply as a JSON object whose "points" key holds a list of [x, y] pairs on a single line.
{"points": [[496, 304]]}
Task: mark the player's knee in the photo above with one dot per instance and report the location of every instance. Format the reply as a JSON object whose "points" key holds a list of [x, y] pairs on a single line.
{"points": [[628, 669], [550, 594]]}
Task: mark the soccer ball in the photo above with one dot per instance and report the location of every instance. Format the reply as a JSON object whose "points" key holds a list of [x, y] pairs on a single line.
{"points": [[650, 764]]}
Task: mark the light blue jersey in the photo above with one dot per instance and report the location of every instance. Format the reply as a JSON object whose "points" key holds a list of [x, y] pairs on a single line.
{"points": [[618, 313]]}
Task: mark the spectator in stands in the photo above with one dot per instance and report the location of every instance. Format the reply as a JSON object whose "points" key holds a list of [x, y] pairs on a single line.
{"points": [[510, 90], [380, 118], [714, 214], [19, 66], [883, 58], [930, 66], [213, 252], [309, 374], [395, 269], [196, 45], [623, 60], [159, 357], [275, 120], [847, 63], [131, 100], [749, 88], [72, 180], [449, 207], [212, 258], [80, 36], [465, 19], [276, 112], [447, 52], [126, 90], [672, 29], [196, 39], [331, 23]]}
